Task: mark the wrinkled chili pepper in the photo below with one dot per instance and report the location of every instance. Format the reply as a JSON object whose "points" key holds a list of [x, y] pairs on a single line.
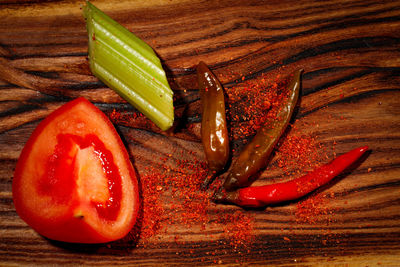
{"points": [[214, 131], [260, 196], [255, 154]]}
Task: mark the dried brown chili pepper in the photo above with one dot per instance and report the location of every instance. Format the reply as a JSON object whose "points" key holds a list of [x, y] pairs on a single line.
{"points": [[260, 196], [255, 154], [214, 131]]}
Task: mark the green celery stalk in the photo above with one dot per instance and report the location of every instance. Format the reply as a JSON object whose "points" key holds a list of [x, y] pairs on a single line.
{"points": [[129, 66]]}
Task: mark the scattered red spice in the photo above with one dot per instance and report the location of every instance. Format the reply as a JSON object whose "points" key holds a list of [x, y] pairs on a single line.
{"points": [[261, 105], [298, 153], [189, 200], [152, 207], [171, 194], [126, 118], [171, 197], [238, 229], [132, 118], [310, 210]]}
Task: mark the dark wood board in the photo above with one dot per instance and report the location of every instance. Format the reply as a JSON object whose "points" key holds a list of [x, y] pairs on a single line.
{"points": [[350, 53]]}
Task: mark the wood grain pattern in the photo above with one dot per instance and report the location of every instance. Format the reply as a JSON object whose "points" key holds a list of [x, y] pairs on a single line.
{"points": [[350, 51]]}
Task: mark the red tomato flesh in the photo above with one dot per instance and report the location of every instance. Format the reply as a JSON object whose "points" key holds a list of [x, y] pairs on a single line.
{"points": [[74, 181]]}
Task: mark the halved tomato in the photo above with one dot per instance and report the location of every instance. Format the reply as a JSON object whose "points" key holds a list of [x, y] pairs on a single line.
{"points": [[74, 181]]}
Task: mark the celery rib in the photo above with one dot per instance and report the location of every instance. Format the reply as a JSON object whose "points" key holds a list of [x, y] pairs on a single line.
{"points": [[129, 66]]}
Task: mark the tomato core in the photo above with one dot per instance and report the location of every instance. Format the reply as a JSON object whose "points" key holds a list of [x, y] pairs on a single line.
{"points": [[93, 172]]}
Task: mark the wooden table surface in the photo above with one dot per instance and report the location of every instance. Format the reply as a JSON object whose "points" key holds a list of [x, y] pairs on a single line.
{"points": [[350, 52]]}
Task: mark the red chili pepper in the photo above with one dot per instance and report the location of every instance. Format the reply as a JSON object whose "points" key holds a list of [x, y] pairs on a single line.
{"points": [[260, 196]]}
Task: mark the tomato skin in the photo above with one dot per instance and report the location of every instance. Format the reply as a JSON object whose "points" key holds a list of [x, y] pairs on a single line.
{"points": [[70, 170]]}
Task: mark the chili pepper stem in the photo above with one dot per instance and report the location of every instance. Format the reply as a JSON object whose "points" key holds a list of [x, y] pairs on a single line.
{"points": [[211, 175], [222, 196], [217, 193]]}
